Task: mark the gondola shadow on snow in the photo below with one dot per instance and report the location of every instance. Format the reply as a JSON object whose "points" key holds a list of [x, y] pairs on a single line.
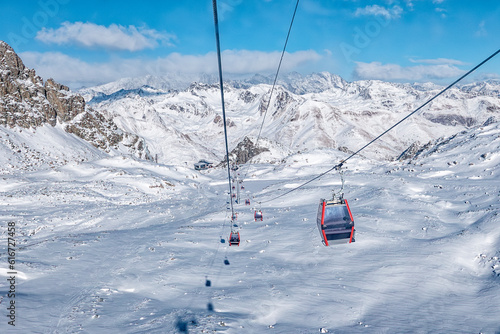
{"points": [[219, 319], [182, 325], [209, 318]]}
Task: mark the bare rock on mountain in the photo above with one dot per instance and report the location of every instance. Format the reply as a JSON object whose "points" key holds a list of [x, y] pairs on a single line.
{"points": [[244, 152], [26, 102], [22, 94], [66, 104]]}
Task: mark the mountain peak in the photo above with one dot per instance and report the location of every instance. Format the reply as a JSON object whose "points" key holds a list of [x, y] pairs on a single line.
{"points": [[9, 60]]}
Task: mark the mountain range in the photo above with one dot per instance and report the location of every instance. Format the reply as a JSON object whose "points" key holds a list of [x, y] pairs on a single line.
{"points": [[174, 122], [317, 111]]}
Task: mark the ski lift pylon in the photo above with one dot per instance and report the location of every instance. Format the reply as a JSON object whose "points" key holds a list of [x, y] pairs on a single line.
{"points": [[335, 222]]}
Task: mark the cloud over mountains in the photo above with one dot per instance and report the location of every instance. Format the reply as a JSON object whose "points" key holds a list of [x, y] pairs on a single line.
{"points": [[114, 37]]}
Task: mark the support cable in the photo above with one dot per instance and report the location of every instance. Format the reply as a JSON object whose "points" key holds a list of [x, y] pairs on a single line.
{"points": [[275, 79]]}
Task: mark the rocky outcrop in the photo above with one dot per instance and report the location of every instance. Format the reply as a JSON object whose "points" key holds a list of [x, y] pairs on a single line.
{"points": [[27, 102], [413, 151], [244, 152], [66, 104]]}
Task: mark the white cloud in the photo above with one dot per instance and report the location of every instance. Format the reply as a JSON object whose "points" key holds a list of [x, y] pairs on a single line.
{"points": [[410, 5], [438, 61], [395, 72], [227, 6], [376, 10], [114, 37], [75, 72], [481, 31]]}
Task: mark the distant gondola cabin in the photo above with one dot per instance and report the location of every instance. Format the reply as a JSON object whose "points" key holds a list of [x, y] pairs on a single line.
{"points": [[234, 239], [258, 215], [203, 164]]}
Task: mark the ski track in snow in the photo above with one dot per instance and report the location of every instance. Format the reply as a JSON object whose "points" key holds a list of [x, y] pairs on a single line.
{"points": [[116, 245]]}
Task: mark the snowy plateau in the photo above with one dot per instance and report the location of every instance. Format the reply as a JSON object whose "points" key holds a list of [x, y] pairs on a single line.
{"points": [[108, 242]]}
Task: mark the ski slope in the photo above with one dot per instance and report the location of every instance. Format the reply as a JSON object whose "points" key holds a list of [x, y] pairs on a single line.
{"points": [[118, 245]]}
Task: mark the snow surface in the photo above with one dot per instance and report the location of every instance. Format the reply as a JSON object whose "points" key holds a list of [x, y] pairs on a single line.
{"points": [[118, 245]]}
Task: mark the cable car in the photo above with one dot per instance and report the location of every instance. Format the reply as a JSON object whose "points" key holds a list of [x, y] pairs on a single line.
{"points": [[335, 222], [258, 215], [234, 239], [247, 202]]}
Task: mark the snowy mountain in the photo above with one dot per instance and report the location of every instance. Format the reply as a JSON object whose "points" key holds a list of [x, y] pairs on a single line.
{"points": [[305, 113], [170, 82]]}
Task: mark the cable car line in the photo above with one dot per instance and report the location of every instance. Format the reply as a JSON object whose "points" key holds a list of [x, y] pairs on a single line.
{"points": [[234, 237], [339, 165], [275, 79], [208, 282], [219, 61], [277, 72]]}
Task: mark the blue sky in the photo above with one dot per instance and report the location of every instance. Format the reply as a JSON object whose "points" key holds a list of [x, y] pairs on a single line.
{"points": [[92, 42]]}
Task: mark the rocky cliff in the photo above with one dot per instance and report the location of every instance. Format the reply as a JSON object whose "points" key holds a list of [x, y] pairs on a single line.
{"points": [[244, 152], [27, 102]]}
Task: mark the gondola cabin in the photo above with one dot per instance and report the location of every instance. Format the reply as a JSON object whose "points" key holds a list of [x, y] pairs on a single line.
{"points": [[234, 239], [258, 215], [202, 165], [335, 222]]}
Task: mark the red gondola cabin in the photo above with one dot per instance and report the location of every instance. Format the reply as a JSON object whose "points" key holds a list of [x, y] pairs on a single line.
{"points": [[234, 239], [335, 222]]}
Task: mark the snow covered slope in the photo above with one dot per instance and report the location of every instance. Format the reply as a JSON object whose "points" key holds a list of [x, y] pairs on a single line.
{"points": [[116, 245]]}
